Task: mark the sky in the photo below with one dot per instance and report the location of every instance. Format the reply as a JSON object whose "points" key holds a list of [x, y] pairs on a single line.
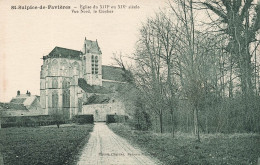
{"points": [[27, 35]]}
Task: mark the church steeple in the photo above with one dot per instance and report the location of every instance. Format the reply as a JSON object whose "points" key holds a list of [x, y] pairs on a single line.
{"points": [[84, 50], [90, 46], [92, 63]]}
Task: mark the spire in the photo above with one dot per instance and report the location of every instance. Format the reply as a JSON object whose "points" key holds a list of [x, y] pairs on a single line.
{"points": [[84, 46], [98, 47]]}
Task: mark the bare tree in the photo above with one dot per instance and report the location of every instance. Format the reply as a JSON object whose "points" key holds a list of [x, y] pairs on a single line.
{"points": [[184, 73], [150, 76], [241, 22], [163, 26]]}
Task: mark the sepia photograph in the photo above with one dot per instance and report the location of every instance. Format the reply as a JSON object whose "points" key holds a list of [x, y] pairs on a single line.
{"points": [[128, 82]]}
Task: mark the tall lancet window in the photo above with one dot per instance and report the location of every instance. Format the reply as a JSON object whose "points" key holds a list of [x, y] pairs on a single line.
{"points": [[55, 99], [64, 68], [55, 82], [66, 98], [75, 68], [94, 64], [54, 68]]}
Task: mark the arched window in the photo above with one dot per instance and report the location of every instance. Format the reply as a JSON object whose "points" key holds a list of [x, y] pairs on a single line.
{"points": [[64, 68], [49, 99], [55, 82], [66, 98], [45, 71], [49, 83], [55, 99], [94, 64], [49, 69], [65, 84], [54, 68], [75, 68]]}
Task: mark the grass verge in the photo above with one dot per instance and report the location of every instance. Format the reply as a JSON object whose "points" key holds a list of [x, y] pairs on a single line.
{"points": [[183, 149], [43, 145]]}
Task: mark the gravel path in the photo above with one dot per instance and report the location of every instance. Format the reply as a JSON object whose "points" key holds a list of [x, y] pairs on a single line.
{"points": [[107, 148]]}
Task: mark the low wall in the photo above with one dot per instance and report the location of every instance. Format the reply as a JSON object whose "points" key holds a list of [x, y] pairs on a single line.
{"points": [[100, 111]]}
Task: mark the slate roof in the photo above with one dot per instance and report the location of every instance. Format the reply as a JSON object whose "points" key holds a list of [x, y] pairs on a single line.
{"points": [[12, 106], [91, 47], [24, 99], [18, 100], [64, 53], [29, 100], [92, 88], [112, 73], [97, 99]]}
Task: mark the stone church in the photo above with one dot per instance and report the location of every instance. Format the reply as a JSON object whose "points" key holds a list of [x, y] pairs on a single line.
{"points": [[75, 82]]}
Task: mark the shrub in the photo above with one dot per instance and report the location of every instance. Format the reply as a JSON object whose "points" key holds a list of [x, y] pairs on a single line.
{"points": [[29, 121], [83, 119], [116, 118]]}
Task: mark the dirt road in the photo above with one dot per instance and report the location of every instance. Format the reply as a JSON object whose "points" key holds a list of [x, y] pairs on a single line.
{"points": [[107, 148]]}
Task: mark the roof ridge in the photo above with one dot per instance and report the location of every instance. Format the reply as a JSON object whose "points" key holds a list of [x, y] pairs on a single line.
{"points": [[67, 48], [112, 66]]}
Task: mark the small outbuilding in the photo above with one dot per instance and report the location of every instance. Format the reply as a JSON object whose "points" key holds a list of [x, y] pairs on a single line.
{"points": [[22, 105]]}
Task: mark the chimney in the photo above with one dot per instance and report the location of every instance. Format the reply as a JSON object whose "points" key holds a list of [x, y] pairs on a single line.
{"points": [[28, 93], [18, 93]]}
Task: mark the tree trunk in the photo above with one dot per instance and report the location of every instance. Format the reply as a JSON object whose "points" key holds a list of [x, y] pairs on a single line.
{"points": [[187, 123], [207, 129], [196, 123], [172, 122], [246, 82], [256, 91], [230, 91], [161, 122]]}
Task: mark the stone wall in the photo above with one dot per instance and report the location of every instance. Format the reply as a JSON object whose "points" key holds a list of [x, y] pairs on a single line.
{"points": [[101, 110]]}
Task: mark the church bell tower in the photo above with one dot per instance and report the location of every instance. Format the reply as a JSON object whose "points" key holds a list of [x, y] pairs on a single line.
{"points": [[92, 62]]}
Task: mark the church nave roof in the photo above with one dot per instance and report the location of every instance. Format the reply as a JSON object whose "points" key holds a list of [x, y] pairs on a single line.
{"points": [[64, 53]]}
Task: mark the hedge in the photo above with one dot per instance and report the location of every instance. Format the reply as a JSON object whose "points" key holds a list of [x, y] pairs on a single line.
{"points": [[116, 118], [29, 121], [83, 119]]}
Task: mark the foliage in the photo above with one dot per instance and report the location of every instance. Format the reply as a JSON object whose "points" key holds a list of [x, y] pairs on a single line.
{"points": [[29, 121], [141, 120], [116, 118], [239, 22], [197, 77], [83, 119]]}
